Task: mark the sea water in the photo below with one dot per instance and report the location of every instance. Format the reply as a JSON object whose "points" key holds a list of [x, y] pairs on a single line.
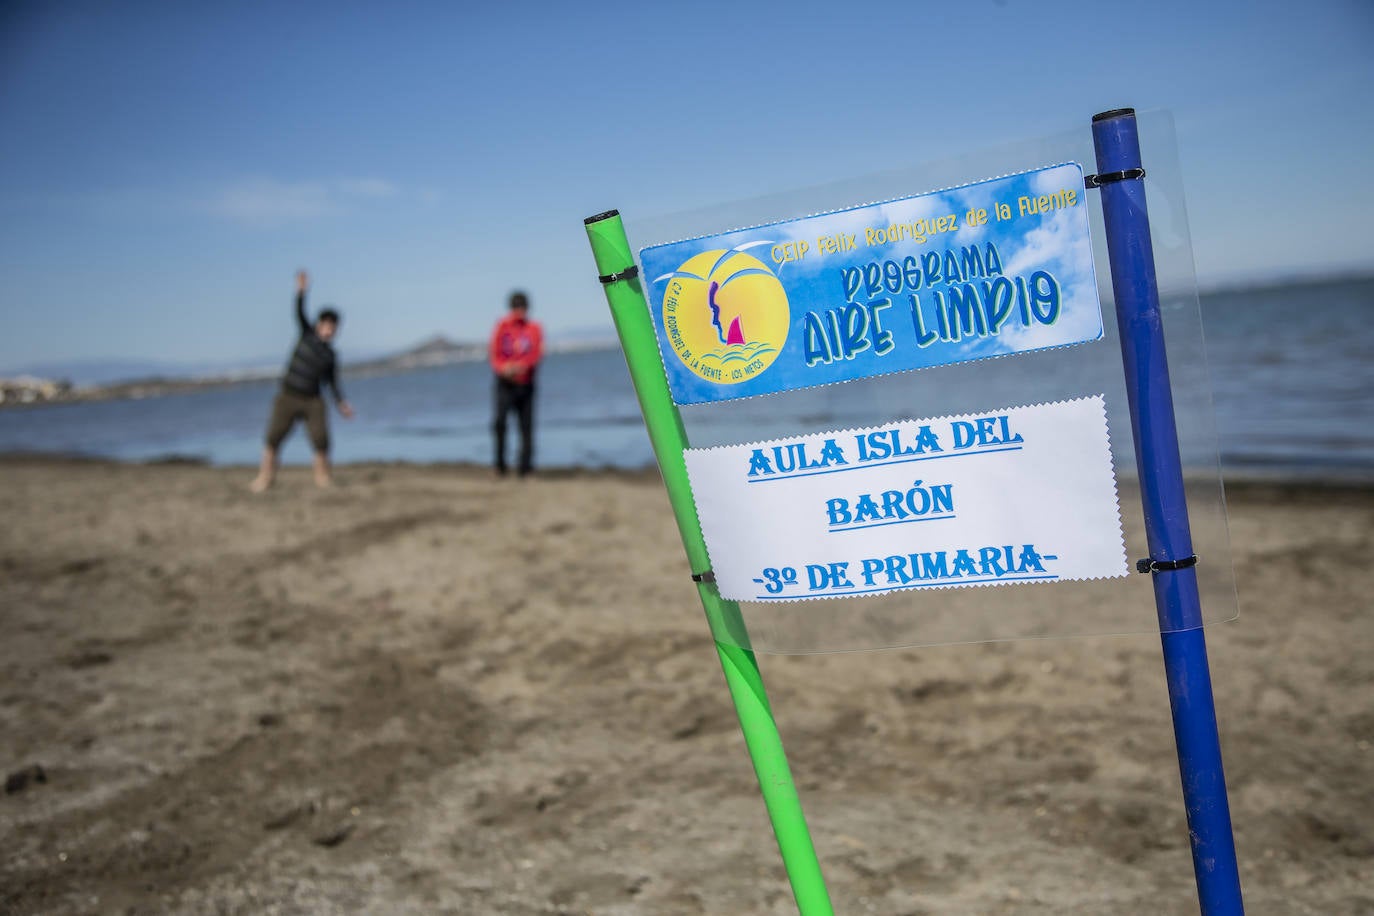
{"points": [[1291, 369]]}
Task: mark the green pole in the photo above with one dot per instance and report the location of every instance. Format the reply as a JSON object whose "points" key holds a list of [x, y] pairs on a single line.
{"points": [[625, 295]]}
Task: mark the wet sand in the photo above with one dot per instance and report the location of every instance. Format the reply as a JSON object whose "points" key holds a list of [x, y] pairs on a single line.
{"points": [[426, 691]]}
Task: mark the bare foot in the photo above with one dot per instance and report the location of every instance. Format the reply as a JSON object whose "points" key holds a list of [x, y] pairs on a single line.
{"points": [[260, 484], [324, 483]]}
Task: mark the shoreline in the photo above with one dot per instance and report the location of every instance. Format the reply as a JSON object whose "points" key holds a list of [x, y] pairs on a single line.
{"points": [[432, 354], [1355, 479]]}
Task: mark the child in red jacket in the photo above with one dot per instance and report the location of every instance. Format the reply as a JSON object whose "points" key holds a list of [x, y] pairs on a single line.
{"points": [[517, 345]]}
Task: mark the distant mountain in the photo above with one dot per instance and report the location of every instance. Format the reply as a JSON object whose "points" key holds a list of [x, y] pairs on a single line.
{"points": [[433, 351], [100, 379], [436, 344], [439, 351], [86, 372], [599, 335]]}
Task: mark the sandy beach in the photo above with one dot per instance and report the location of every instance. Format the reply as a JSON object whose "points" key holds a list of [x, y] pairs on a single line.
{"points": [[428, 691]]}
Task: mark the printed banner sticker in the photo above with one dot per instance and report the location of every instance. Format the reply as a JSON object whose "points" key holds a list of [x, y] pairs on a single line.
{"points": [[1021, 495], [988, 269]]}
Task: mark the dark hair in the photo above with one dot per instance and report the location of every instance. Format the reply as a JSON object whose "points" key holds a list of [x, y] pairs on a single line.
{"points": [[519, 300], [329, 315]]}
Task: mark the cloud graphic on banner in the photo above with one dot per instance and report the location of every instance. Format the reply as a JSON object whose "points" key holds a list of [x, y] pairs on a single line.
{"points": [[1049, 247]]}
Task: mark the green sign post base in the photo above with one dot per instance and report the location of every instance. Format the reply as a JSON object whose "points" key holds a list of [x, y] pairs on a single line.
{"points": [[630, 311]]}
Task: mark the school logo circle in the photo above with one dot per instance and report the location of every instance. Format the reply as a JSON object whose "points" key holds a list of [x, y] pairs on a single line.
{"points": [[726, 316]]}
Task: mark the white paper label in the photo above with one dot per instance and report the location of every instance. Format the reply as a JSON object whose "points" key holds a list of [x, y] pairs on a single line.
{"points": [[1020, 495]]}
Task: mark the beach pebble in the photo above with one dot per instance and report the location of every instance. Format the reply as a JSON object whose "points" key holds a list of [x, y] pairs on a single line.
{"points": [[336, 836], [22, 778], [1274, 701]]}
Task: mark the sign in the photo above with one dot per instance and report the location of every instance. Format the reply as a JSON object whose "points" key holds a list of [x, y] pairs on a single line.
{"points": [[988, 269], [1025, 494]]}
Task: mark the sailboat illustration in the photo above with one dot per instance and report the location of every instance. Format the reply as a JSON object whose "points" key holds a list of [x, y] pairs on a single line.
{"points": [[735, 335]]}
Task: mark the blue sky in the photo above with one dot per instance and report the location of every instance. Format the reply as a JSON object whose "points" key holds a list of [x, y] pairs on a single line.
{"points": [[167, 166]]}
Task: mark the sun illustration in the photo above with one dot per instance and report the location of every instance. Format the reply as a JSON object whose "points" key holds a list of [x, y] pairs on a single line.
{"points": [[725, 315]]}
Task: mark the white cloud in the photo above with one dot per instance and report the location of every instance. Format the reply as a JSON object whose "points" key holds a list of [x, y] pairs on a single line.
{"points": [[269, 202], [368, 187], [1052, 181], [1056, 242], [264, 201]]}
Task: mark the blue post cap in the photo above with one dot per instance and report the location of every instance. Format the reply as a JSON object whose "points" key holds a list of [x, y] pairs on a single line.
{"points": [[1114, 113]]}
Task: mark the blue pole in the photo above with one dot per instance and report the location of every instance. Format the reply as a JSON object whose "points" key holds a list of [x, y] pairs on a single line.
{"points": [[1166, 511]]}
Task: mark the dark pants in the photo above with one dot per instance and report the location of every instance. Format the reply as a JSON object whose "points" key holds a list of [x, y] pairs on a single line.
{"points": [[519, 398], [287, 408]]}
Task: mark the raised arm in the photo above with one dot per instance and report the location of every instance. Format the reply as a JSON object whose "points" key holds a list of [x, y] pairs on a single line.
{"points": [[302, 284]]}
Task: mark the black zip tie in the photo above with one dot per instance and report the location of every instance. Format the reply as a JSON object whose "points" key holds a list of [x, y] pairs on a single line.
{"points": [[600, 216], [708, 576], [1154, 566], [628, 273], [1097, 181]]}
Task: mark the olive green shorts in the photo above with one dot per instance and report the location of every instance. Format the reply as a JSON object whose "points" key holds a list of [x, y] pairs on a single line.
{"points": [[290, 407]]}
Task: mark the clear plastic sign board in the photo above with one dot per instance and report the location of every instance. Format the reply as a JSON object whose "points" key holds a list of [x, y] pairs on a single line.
{"points": [[916, 409], [989, 269]]}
